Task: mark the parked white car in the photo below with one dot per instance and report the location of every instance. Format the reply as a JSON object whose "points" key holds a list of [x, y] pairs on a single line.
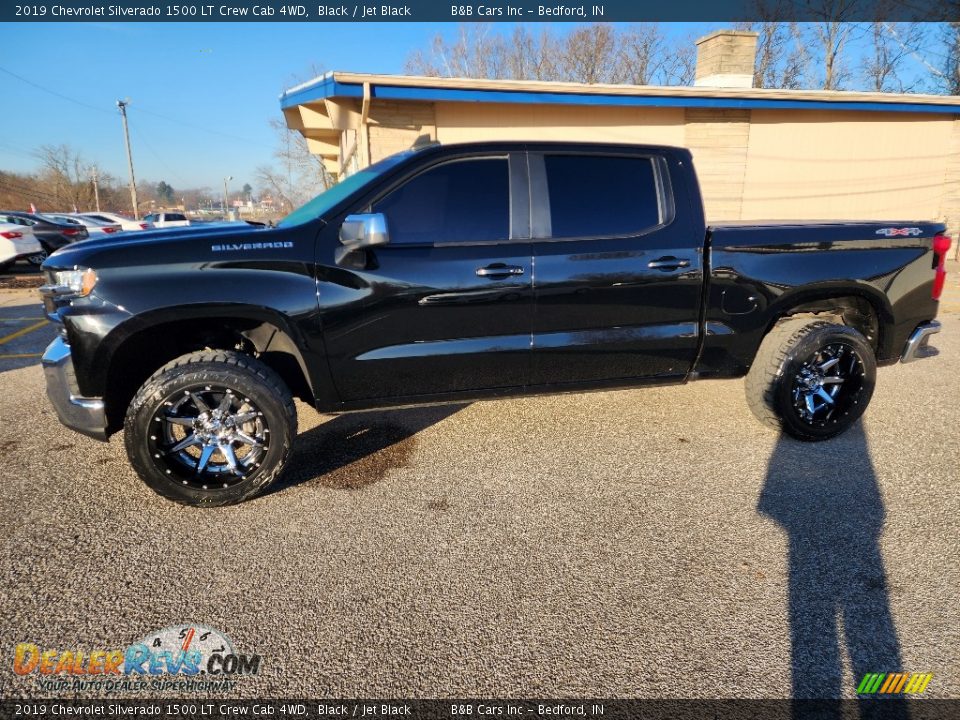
{"points": [[167, 219], [94, 227], [16, 241], [123, 221]]}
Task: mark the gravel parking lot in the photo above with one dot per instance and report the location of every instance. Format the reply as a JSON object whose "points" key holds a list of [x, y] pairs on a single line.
{"points": [[650, 543]]}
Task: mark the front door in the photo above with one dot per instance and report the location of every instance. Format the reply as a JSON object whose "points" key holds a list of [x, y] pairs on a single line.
{"points": [[446, 306]]}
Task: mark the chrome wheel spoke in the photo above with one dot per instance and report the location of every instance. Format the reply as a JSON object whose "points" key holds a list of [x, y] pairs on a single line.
{"points": [[190, 421], [246, 417], [824, 367], [825, 396], [225, 404], [205, 456], [231, 457], [201, 406], [191, 439], [247, 440], [831, 381]]}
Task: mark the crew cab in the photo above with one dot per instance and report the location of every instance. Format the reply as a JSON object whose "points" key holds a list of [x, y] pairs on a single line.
{"points": [[452, 273]]}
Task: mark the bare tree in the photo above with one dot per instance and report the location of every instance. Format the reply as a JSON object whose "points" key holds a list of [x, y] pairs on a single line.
{"points": [[598, 53], [298, 175], [590, 55], [782, 57], [532, 56], [891, 46], [65, 176], [949, 77], [479, 51], [643, 54]]}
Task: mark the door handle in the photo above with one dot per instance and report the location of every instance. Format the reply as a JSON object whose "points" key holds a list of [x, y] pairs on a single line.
{"points": [[668, 263], [499, 270]]}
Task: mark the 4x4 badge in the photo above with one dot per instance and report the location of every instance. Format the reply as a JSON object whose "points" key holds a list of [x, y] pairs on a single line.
{"points": [[893, 232]]}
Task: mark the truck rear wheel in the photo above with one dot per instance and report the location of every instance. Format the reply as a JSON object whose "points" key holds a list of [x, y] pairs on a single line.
{"points": [[812, 379], [210, 428]]}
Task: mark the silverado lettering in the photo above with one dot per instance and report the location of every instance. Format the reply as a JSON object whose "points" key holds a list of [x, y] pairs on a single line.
{"points": [[251, 246], [454, 273]]}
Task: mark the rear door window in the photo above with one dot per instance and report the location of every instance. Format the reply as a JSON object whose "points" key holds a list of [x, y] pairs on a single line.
{"points": [[601, 195]]}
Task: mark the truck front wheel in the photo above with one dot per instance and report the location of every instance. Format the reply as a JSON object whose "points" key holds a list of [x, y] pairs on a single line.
{"points": [[210, 428], [812, 379]]}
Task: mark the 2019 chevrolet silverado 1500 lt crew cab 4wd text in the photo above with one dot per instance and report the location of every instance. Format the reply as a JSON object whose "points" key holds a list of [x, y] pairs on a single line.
{"points": [[450, 273]]}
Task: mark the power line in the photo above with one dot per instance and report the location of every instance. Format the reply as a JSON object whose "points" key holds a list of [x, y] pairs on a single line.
{"points": [[153, 152], [201, 129], [140, 108], [54, 92]]}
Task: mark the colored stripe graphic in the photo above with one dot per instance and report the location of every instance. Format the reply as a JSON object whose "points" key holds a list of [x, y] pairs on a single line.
{"points": [[894, 683], [891, 680]]}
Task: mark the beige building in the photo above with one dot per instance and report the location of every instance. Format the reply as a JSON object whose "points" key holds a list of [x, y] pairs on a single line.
{"points": [[775, 154]]}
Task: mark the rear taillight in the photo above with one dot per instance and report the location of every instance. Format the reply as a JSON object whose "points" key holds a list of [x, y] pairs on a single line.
{"points": [[941, 244], [109, 229], [70, 232], [144, 226], [11, 234]]}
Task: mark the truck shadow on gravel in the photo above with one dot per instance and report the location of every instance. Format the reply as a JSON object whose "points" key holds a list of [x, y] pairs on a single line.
{"points": [[355, 450], [825, 496]]}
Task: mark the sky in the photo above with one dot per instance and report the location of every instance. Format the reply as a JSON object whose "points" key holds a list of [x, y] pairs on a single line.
{"points": [[217, 86], [201, 95]]}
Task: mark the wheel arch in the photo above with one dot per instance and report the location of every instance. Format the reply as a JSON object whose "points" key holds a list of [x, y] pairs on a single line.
{"points": [[135, 349], [861, 307]]}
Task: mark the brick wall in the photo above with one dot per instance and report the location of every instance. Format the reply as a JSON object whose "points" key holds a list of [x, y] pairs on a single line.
{"points": [[395, 126], [719, 140], [950, 202], [726, 53]]}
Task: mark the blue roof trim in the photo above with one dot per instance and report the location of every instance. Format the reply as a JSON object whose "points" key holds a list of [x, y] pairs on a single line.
{"points": [[329, 88]]}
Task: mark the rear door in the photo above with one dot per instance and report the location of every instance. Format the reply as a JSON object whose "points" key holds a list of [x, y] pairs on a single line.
{"points": [[446, 306], [618, 273]]}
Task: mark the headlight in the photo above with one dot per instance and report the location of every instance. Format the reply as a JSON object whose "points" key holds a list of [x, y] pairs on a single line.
{"points": [[79, 281]]}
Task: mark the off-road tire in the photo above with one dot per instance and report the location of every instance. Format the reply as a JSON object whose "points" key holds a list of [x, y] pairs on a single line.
{"points": [[770, 382], [247, 377]]}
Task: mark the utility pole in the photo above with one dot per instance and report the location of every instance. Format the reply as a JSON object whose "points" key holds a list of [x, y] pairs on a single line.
{"points": [[122, 104], [225, 181], [96, 187]]}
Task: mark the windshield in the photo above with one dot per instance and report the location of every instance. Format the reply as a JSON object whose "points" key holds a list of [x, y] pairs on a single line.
{"points": [[333, 195]]}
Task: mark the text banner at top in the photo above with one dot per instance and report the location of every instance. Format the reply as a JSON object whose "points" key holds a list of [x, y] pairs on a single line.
{"points": [[490, 11]]}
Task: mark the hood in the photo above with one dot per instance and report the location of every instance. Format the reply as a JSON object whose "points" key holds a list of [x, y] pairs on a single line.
{"points": [[169, 242], [187, 232]]}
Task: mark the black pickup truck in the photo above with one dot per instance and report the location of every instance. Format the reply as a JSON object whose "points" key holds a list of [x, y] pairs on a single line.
{"points": [[449, 273]]}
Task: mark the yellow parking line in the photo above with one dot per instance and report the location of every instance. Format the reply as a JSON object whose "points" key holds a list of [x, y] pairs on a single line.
{"points": [[12, 356], [22, 332]]}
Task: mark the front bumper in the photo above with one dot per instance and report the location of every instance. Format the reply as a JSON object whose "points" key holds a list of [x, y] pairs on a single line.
{"points": [[85, 415], [917, 346]]}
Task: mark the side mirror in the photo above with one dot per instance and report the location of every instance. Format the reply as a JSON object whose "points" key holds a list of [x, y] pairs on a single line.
{"points": [[366, 230]]}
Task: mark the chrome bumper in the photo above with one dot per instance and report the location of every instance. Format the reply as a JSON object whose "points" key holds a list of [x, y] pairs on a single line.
{"points": [[917, 347], [85, 415]]}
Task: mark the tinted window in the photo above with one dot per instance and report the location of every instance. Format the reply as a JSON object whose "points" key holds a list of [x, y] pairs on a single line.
{"points": [[593, 195], [175, 216], [460, 201], [150, 218]]}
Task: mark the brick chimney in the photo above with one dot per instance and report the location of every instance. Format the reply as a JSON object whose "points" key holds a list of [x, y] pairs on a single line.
{"points": [[725, 59]]}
